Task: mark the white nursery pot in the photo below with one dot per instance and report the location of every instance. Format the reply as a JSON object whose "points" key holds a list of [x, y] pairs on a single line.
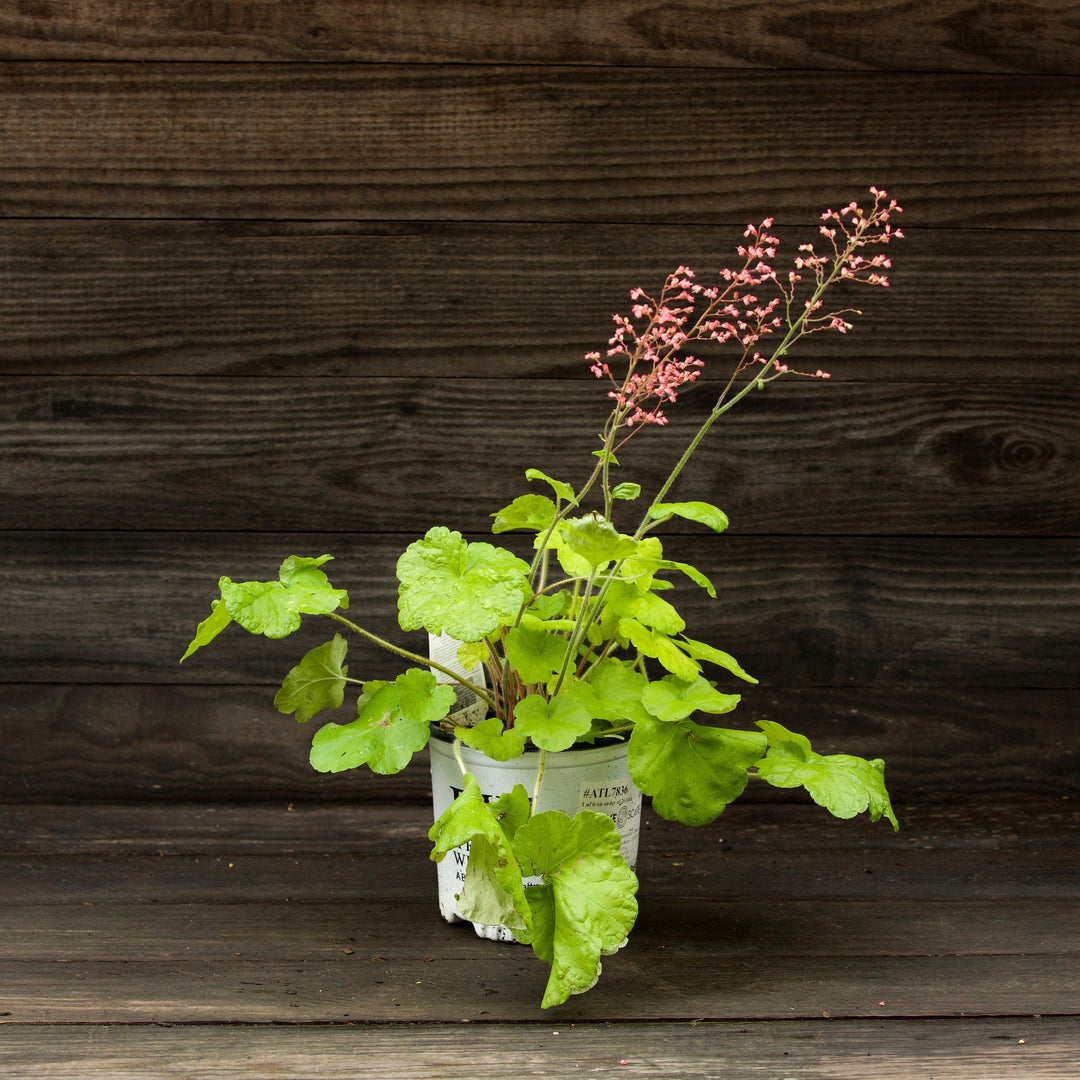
{"points": [[590, 778]]}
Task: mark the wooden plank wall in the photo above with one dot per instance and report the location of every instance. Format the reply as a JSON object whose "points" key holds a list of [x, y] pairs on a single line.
{"points": [[311, 277]]}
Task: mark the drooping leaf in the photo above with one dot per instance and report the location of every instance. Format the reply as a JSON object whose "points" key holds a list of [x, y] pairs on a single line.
{"points": [[209, 628], [525, 512], [274, 608], [534, 653], [671, 699], [702, 512], [699, 650], [660, 647], [562, 489], [692, 772], [556, 724], [489, 737], [586, 905], [316, 683], [394, 722], [449, 586], [493, 892], [625, 599], [843, 784]]}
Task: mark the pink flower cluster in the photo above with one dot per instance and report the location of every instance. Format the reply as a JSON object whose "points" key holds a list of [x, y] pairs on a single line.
{"points": [[647, 346]]}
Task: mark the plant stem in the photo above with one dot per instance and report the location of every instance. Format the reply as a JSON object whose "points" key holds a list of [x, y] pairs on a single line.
{"points": [[480, 691], [536, 786]]}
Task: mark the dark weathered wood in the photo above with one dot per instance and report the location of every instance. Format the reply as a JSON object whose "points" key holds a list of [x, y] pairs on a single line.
{"points": [[234, 454], [509, 983], [552, 144], [798, 611], [833, 1049], [1037, 36], [147, 741], [491, 299]]}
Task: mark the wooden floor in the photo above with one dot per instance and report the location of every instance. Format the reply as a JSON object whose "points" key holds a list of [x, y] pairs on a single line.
{"points": [[304, 941]]}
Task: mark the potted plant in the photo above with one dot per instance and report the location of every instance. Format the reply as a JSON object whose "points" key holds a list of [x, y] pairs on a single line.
{"points": [[575, 651]]}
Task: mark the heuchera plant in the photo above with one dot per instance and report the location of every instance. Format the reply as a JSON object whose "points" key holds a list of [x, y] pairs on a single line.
{"points": [[580, 643]]}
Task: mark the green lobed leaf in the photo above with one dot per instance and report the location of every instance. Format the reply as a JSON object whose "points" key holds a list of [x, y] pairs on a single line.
{"points": [[525, 512], [274, 608], [843, 784], [493, 892], [556, 724], [617, 687], [586, 906], [534, 653], [449, 586], [394, 722], [209, 628], [316, 683], [595, 540], [702, 512], [672, 699], [489, 737], [692, 772]]}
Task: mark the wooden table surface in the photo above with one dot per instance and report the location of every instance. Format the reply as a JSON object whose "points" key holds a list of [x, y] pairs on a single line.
{"points": [[275, 940]]}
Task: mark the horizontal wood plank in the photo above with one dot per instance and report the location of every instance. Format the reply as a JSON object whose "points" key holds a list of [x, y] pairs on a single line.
{"points": [[193, 742], [231, 454], [409, 930], [1036, 36], [1008, 1049], [510, 985], [488, 299], [527, 144], [874, 612]]}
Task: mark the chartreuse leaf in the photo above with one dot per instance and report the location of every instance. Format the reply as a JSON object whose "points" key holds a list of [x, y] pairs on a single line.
{"points": [[625, 599], [274, 608], [489, 737], [702, 512], [525, 512], [627, 491], [699, 650], [660, 647], [556, 724], [534, 653], [316, 683], [692, 772], [562, 489], [209, 628], [585, 907], [845, 785], [617, 687], [493, 892], [449, 586], [671, 699], [394, 722], [595, 540]]}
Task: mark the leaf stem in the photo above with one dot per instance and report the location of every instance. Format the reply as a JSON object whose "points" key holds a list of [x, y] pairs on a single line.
{"points": [[480, 691]]}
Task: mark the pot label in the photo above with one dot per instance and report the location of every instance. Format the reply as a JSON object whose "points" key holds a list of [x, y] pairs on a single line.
{"points": [[621, 802]]}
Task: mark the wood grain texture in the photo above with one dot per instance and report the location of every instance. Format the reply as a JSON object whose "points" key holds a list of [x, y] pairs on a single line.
{"points": [[488, 299], [1025, 36], [335, 454], [190, 742], [522, 144], [816, 611], [1007, 1049]]}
